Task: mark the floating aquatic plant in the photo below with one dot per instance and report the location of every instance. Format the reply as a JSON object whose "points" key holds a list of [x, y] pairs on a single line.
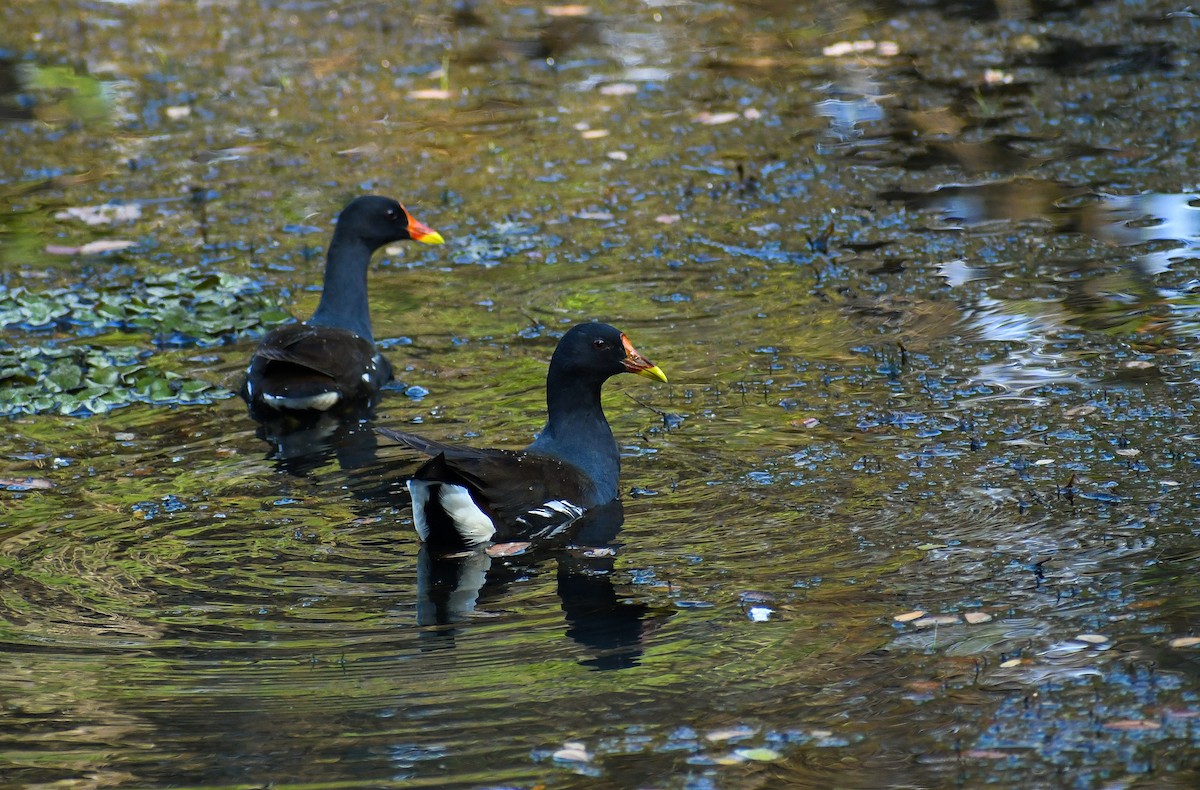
{"points": [[83, 380], [184, 308], [180, 308]]}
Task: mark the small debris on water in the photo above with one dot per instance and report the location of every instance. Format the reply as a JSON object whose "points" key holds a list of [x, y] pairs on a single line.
{"points": [[618, 89], [1132, 725], [573, 752], [508, 549], [975, 618], [430, 94], [941, 619], [1186, 641], [729, 733], [715, 118], [908, 617]]}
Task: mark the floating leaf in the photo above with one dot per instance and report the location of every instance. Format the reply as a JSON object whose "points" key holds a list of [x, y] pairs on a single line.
{"points": [[105, 245], [760, 755], [1132, 725], [573, 752], [25, 484]]}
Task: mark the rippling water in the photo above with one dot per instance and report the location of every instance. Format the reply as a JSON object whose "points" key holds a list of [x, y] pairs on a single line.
{"points": [[916, 509]]}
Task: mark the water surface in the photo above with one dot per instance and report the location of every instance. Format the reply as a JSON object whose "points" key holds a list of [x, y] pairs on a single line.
{"points": [[922, 276]]}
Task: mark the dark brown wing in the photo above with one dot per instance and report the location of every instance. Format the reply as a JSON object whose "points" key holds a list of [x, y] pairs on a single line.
{"points": [[329, 351], [302, 361], [523, 492]]}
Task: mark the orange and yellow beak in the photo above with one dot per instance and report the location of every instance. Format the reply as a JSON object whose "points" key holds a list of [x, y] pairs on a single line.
{"points": [[636, 363], [419, 231]]}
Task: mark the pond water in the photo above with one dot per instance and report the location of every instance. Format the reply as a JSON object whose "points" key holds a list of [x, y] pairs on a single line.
{"points": [[917, 509]]}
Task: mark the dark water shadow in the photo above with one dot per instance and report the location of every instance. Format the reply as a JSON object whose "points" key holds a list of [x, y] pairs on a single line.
{"points": [[302, 443], [453, 589]]}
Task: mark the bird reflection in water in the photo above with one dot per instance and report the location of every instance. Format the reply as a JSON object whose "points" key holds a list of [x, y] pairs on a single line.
{"points": [[302, 443], [452, 589]]}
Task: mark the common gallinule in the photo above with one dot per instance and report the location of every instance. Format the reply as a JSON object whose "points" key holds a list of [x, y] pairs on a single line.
{"points": [[330, 360], [464, 497]]}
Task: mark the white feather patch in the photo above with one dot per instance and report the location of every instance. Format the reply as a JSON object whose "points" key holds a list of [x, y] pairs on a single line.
{"points": [[322, 402], [419, 491], [472, 524]]}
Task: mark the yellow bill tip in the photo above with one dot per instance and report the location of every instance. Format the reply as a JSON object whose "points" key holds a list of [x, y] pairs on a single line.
{"points": [[653, 372]]}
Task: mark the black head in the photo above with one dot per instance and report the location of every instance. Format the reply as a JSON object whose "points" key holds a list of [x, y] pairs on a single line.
{"points": [[380, 220], [596, 351]]}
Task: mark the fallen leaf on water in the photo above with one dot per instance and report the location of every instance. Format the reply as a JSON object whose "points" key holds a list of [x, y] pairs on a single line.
{"points": [[729, 733], [109, 245], [594, 134], [924, 686], [26, 483], [668, 219], [370, 149], [567, 10], [715, 118], [1129, 452], [600, 215], [975, 618], [574, 752], [760, 755], [1092, 639], [618, 89], [930, 546], [1012, 662], [620, 156], [178, 112], [909, 616], [507, 549], [430, 94], [1132, 725], [939, 619], [1186, 641]]}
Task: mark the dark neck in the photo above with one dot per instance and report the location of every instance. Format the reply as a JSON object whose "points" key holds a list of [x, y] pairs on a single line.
{"points": [[344, 298], [577, 432]]}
